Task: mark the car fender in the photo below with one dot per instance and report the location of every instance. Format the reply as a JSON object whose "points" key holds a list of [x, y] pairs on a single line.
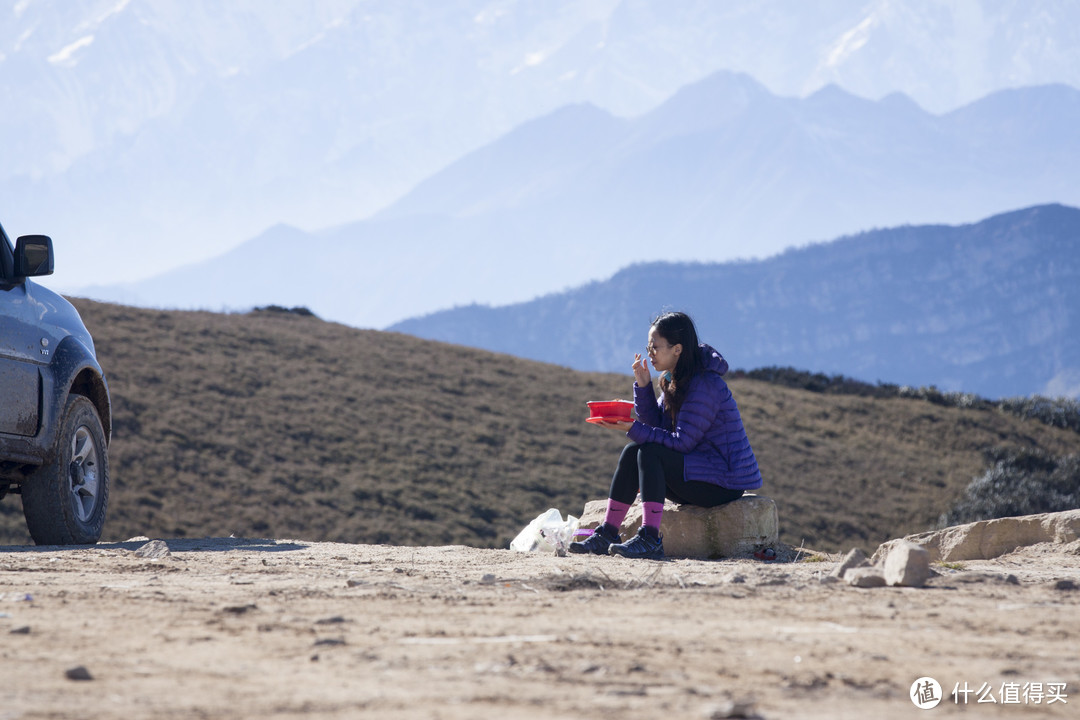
{"points": [[73, 369]]}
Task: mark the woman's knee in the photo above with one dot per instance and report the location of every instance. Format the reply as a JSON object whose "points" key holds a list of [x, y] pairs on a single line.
{"points": [[630, 453], [649, 451]]}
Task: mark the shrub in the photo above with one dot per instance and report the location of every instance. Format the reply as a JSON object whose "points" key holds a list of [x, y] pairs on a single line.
{"points": [[945, 399], [1019, 482], [1059, 412], [299, 310], [817, 382]]}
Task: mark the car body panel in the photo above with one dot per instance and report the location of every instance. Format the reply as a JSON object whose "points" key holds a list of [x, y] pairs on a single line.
{"points": [[46, 353]]}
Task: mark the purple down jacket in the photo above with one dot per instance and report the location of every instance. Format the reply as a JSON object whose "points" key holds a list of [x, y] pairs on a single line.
{"points": [[708, 429]]}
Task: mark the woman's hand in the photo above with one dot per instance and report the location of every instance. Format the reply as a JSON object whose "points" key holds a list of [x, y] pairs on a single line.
{"points": [[623, 425], [642, 378]]}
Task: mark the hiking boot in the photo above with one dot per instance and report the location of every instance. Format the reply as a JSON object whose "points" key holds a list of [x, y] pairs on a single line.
{"points": [[597, 543], [642, 545]]}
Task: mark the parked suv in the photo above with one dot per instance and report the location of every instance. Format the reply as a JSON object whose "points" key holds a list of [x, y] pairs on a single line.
{"points": [[55, 411]]}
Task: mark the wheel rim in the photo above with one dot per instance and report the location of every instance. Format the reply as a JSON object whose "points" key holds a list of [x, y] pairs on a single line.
{"points": [[83, 472]]}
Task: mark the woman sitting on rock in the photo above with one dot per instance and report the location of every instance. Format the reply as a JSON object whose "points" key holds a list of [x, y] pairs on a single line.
{"points": [[690, 446]]}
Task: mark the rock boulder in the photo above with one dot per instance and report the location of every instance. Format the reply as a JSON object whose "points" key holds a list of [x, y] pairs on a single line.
{"points": [[908, 565], [854, 559], [988, 539], [866, 576]]}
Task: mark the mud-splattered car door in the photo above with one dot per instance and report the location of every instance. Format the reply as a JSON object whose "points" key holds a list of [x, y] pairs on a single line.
{"points": [[23, 350]]}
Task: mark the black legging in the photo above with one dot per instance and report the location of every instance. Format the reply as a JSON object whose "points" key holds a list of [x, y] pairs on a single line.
{"points": [[657, 472]]}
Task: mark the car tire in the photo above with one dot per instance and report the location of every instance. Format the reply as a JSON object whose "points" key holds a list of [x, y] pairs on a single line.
{"points": [[64, 500]]}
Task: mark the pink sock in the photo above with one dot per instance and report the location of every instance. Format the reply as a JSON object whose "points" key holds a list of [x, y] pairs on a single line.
{"points": [[653, 512], [616, 513]]}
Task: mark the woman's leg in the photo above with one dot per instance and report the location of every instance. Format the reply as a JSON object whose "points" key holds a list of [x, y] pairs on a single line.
{"points": [[655, 463], [624, 483], [658, 472], [657, 467], [642, 468], [624, 487]]}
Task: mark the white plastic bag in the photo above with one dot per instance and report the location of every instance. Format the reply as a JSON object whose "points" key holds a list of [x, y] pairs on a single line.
{"points": [[547, 533]]}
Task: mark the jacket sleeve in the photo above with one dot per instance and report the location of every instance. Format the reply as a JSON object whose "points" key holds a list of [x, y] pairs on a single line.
{"points": [[694, 419], [646, 405]]}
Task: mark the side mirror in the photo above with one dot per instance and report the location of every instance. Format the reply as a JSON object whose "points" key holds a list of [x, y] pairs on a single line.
{"points": [[33, 256]]}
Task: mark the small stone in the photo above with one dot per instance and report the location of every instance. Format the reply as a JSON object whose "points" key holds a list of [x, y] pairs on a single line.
{"points": [[329, 642], [155, 549], [735, 709], [855, 558], [78, 672], [1065, 584], [331, 620], [865, 577], [908, 565], [239, 609], [24, 630]]}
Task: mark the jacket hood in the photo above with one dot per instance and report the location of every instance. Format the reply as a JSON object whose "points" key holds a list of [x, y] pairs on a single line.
{"points": [[713, 360]]}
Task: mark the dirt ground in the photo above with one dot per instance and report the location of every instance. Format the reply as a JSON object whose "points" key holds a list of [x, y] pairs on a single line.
{"points": [[239, 628]]}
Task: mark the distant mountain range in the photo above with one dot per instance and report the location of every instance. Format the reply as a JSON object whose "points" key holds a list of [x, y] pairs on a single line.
{"points": [[991, 308], [722, 170]]}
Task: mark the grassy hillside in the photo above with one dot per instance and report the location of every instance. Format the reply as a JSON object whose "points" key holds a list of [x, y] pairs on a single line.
{"points": [[279, 425]]}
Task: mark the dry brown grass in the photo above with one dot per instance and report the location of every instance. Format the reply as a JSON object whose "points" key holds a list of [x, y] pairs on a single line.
{"points": [[276, 425]]}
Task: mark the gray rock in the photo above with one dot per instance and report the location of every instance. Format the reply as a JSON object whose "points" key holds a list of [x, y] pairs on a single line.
{"points": [[907, 565], [329, 642], [78, 673], [855, 558], [730, 530], [865, 577], [155, 549]]}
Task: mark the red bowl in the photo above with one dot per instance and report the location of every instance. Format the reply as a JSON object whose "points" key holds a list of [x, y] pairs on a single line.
{"points": [[613, 409]]}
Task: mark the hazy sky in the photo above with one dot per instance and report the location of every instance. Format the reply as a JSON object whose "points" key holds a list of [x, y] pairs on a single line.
{"points": [[147, 134]]}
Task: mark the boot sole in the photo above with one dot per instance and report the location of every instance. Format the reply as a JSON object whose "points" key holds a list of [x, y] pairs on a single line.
{"points": [[650, 556]]}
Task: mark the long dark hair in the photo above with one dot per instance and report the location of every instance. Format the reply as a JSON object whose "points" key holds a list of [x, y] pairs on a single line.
{"points": [[678, 329]]}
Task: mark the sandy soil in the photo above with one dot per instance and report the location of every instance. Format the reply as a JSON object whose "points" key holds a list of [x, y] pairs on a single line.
{"points": [[235, 628]]}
